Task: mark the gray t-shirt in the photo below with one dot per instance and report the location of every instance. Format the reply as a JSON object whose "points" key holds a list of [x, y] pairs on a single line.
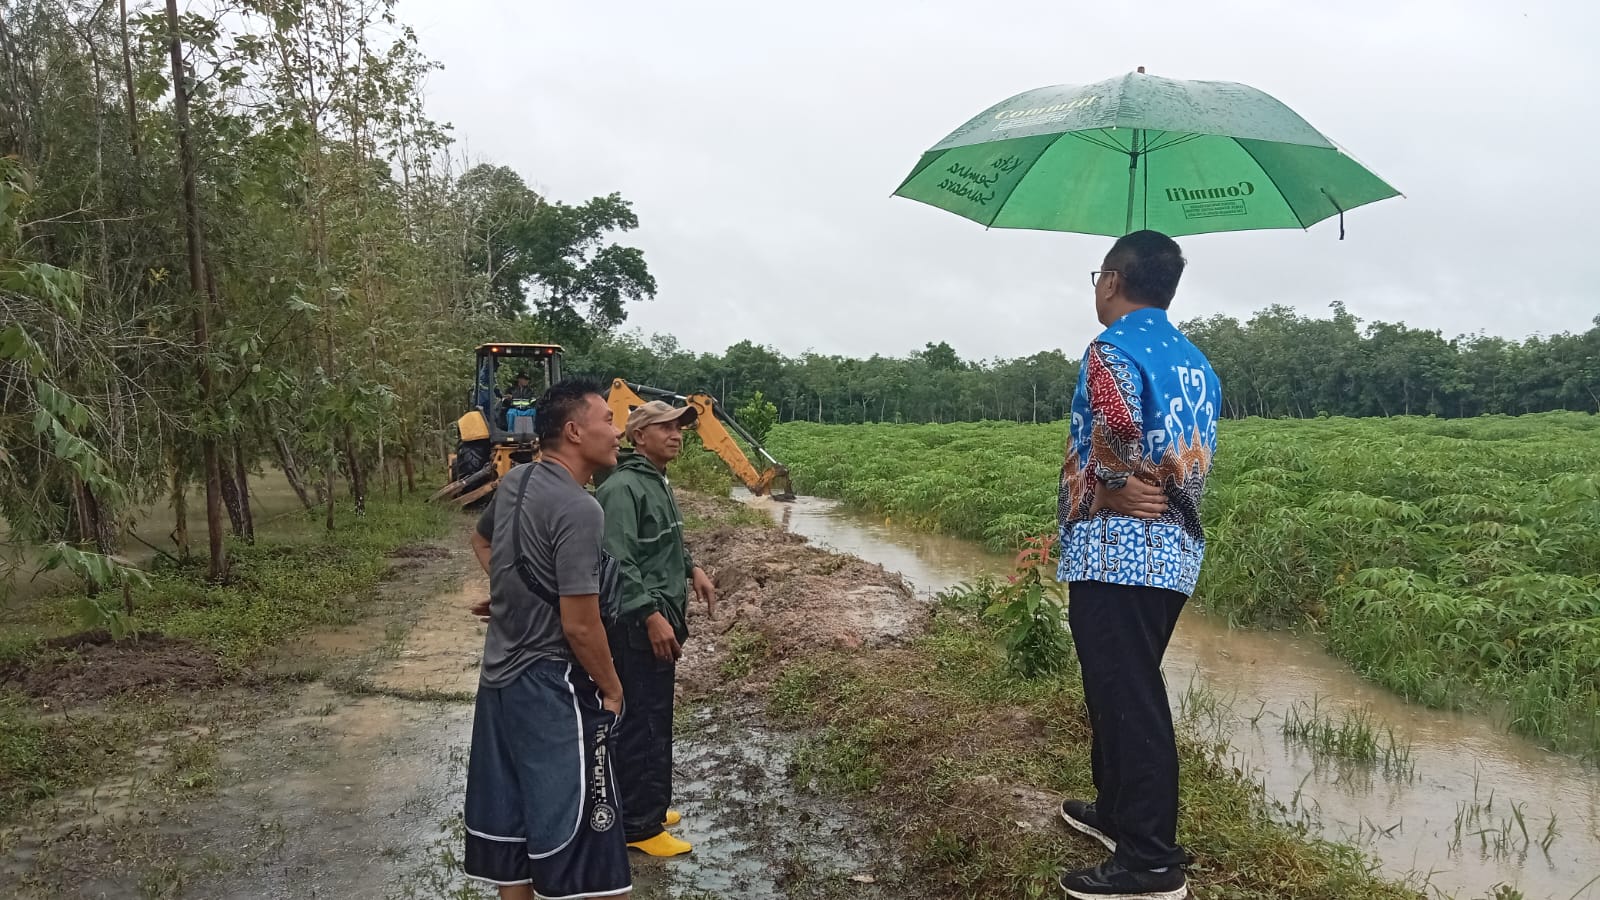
{"points": [[563, 532]]}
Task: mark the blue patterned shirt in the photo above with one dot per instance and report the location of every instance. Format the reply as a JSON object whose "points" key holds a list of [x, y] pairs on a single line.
{"points": [[1146, 407]]}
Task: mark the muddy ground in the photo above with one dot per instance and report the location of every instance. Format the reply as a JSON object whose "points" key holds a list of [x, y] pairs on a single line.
{"points": [[336, 768]]}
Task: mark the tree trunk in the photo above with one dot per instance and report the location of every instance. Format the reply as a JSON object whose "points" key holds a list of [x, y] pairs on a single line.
{"points": [[411, 471], [14, 117], [290, 470], [102, 524], [231, 502], [93, 525], [357, 476], [127, 77], [242, 477], [180, 512], [329, 475], [217, 570]]}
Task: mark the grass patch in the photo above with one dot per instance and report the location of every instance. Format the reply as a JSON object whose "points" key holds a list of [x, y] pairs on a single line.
{"points": [[41, 756], [190, 765], [360, 687], [954, 751], [285, 584], [746, 651], [298, 576], [726, 513], [698, 469], [1353, 736]]}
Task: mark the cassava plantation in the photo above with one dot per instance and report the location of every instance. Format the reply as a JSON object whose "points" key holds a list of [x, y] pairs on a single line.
{"points": [[245, 269]]}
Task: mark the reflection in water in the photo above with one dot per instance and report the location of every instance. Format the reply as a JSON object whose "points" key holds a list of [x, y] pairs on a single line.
{"points": [[1241, 683]]}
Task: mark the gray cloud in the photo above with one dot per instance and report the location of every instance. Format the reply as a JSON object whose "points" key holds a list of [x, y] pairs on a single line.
{"points": [[760, 144]]}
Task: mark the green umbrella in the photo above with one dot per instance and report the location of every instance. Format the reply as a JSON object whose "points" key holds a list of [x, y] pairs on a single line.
{"points": [[1140, 151]]}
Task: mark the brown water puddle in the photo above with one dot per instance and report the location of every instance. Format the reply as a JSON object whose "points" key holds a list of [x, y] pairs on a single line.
{"points": [[1237, 685]]}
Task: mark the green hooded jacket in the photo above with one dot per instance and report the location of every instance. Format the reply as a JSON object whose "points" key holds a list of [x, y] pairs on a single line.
{"points": [[644, 531]]}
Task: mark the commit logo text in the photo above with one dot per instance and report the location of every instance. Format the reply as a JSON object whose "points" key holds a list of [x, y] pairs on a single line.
{"points": [[1184, 195]]}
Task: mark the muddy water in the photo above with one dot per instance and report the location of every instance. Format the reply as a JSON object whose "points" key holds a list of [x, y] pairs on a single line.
{"points": [[1238, 685], [755, 835]]}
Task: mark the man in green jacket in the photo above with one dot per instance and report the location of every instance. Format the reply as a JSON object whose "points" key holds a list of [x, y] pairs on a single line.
{"points": [[644, 531]]}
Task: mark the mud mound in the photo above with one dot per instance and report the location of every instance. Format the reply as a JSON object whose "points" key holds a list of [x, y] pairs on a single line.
{"points": [[796, 597], [91, 666]]}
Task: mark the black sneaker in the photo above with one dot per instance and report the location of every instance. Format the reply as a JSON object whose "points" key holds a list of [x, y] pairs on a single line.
{"points": [[1082, 817], [1110, 881]]}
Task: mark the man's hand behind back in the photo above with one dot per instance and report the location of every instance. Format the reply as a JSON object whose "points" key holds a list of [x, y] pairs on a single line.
{"points": [[1137, 499]]}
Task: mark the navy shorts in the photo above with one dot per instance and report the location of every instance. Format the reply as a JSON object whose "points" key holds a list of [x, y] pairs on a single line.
{"points": [[542, 804]]}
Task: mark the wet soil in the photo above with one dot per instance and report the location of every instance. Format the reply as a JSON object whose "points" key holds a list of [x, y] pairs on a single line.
{"points": [[90, 666]]}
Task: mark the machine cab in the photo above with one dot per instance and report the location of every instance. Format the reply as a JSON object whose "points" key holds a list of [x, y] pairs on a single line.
{"points": [[502, 403]]}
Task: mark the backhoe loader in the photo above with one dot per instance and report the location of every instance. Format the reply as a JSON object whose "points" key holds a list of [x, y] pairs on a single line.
{"points": [[498, 432], [713, 424]]}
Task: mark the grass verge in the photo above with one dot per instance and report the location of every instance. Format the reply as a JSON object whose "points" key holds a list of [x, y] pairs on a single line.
{"points": [[963, 763]]}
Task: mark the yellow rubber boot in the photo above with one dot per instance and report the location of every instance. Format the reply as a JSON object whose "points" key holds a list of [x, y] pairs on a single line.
{"points": [[673, 818], [662, 844]]}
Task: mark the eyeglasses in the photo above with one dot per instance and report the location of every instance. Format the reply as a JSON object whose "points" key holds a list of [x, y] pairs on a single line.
{"points": [[1094, 277]]}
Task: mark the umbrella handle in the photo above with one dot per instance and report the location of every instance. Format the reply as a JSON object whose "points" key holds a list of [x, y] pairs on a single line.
{"points": [[1133, 174], [1335, 206]]}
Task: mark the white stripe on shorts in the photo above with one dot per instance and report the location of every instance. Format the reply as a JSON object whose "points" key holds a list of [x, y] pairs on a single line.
{"points": [[496, 837], [583, 781], [500, 883], [616, 893]]}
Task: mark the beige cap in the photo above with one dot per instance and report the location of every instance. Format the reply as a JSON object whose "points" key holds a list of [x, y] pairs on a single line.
{"points": [[657, 411]]}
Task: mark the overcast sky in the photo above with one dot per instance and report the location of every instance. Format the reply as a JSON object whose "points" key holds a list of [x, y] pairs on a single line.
{"points": [[760, 142]]}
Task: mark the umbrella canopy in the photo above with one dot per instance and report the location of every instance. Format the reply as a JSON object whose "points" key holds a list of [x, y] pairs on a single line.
{"points": [[1141, 151]]}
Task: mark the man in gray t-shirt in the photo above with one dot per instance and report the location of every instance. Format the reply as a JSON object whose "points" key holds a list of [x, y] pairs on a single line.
{"points": [[537, 825], [562, 531]]}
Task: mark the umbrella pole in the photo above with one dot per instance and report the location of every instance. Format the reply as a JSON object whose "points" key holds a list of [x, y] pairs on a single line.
{"points": [[1133, 172]]}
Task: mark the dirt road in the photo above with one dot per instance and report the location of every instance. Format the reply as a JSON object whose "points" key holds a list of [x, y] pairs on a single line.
{"points": [[338, 769]]}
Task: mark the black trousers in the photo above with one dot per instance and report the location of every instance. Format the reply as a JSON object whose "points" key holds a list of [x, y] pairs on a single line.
{"points": [[1121, 633], [642, 742]]}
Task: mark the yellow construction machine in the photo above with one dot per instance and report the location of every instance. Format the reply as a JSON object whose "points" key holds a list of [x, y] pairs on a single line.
{"points": [[497, 433], [713, 423]]}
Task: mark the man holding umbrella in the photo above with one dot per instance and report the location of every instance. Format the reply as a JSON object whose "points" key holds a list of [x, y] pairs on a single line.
{"points": [[1119, 157], [1144, 427]]}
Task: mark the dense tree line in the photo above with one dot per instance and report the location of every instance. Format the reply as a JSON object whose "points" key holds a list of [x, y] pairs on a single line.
{"points": [[230, 238], [1278, 363]]}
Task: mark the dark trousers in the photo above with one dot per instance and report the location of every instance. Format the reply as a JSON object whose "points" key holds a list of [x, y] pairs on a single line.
{"points": [[1121, 633], [642, 741]]}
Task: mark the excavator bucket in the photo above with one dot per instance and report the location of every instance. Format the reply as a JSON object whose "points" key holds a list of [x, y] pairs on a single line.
{"points": [[466, 489], [775, 483]]}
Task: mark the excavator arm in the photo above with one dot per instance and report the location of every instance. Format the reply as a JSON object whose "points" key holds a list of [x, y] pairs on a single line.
{"points": [[717, 429]]}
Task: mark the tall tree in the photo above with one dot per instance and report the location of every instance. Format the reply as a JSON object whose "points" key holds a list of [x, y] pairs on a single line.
{"points": [[203, 293]]}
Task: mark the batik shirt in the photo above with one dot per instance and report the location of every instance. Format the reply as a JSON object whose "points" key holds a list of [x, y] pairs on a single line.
{"points": [[1146, 406]]}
